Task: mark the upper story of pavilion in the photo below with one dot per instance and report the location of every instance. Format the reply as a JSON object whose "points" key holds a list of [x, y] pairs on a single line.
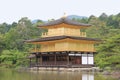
{"points": [[64, 27]]}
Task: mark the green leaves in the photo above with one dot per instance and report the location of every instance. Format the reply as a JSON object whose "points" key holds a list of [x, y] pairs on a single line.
{"points": [[11, 58], [12, 46], [109, 52], [23, 30]]}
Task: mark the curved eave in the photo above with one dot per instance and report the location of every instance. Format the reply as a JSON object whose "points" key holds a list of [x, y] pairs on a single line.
{"points": [[63, 20], [61, 38]]}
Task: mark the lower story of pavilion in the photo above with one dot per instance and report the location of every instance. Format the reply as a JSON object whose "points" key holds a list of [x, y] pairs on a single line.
{"points": [[62, 59]]}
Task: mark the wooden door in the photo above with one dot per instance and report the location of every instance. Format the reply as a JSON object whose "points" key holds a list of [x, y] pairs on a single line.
{"points": [[78, 60]]}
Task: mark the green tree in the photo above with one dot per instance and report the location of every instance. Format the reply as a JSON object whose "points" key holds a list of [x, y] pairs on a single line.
{"points": [[4, 28], [13, 58], [98, 28], [23, 30], [109, 53], [103, 17]]}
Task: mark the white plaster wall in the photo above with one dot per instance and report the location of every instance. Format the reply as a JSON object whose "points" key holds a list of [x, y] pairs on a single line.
{"points": [[87, 59], [84, 60], [90, 60]]}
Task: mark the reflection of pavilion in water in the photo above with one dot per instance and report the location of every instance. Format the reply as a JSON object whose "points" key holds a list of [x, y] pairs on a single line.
{"points": [[87, 76], [63, 76]]}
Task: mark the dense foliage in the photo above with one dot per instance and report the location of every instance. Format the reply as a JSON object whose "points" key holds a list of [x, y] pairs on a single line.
{"points": [[107, 29], [109, 53], [13, 50]]}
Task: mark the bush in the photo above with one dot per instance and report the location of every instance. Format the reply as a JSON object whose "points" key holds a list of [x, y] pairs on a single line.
{"points": [[13, 58]]}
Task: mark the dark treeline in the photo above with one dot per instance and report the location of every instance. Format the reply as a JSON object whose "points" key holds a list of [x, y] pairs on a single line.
{"points": [[13, 50]]}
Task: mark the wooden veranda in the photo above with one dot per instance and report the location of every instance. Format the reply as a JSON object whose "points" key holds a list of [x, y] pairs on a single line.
{"points": [[57, 59]]}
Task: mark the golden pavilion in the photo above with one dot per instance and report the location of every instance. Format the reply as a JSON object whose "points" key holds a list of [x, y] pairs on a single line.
{"points": [[63, 45]]}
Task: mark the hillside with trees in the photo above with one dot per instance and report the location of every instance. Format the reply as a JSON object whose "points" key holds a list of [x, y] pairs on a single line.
{"points": [[13, 50]]}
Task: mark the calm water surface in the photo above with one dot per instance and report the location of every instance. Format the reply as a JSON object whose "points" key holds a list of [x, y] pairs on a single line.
{"points": [[48, 75]]}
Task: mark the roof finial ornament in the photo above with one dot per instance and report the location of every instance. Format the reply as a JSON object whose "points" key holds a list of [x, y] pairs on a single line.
{"points": [[64, 16]]}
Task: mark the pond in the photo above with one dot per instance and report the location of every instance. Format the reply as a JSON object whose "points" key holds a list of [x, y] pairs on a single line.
{"points": [[7, 74]]}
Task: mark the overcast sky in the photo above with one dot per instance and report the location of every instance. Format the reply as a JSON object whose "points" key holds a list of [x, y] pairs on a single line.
{"points": [[13, 10]]}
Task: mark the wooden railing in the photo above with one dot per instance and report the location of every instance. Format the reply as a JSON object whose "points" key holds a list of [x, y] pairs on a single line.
{"points": [[82, 34], [59, 64], [49, 64], [35, 50], [53, 63], [45, 34]]}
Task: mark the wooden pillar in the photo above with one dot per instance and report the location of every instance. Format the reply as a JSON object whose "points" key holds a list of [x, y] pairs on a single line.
{"points": [[68, 58], [36, 60], [40, 59], [55, 59]]}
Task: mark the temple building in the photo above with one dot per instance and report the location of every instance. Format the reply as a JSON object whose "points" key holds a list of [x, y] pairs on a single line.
{"points": [[63, 45]]}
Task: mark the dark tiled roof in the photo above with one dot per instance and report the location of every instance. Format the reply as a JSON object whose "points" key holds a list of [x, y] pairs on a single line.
{"points": [[63, 20], [60, 38]]}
